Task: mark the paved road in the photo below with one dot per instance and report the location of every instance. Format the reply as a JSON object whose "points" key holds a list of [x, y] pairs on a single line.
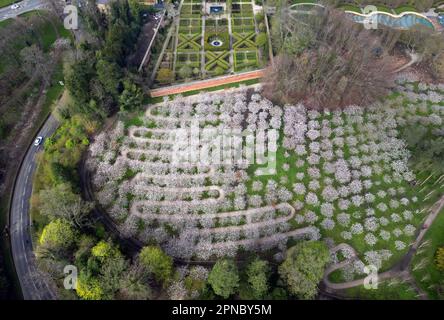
{"points": [[33, 287], [25, 6]]}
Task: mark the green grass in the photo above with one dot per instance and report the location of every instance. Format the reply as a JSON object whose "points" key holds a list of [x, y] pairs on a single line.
{"points": [[189, 42], [302, 1], [428, 277], [30, 13], [245, 60], [244, 41], [384, 9], [405, 8], [349, 7], [222, 36], [6, 22], [385, 291], [48, 33], [215, 60], [55, 91], [4, 3]]}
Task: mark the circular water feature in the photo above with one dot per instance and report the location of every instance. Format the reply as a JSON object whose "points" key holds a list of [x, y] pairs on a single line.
{"points": [[216, 43]]}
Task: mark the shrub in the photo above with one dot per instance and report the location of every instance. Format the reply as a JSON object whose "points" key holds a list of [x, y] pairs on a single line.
{"points": [[164, 75], [58, 234], [257, 274], [224, 278], [261, 39], [185, 72], [222, 36], [157, 262], [304, 267], [218, 71], [88, 288], [439, 260]]}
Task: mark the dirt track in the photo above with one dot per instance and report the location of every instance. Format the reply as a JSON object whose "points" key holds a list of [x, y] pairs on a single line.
{"points": [[205, 84]]}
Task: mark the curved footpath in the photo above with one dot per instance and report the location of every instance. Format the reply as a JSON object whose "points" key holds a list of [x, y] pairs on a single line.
{"points": [[33, 285], [400, 270]]}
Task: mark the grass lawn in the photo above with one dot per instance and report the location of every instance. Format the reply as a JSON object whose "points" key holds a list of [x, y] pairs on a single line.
{"points": [[48, 33], [405, 8], [384, 9], [428, 277], [349, 7], [303, 1], [4, 23], [387, 290], [4, 3]]}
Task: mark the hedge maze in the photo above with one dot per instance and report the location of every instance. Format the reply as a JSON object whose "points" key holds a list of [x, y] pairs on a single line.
{"points": [[217, 62], [245, 59]]}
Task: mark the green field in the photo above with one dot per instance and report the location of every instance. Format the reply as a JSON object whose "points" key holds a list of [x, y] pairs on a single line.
{"points": [[4, 3], [429, 278], [388, 290]]}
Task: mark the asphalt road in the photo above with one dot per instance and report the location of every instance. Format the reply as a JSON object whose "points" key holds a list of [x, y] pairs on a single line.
{"points": [[32, 285], [25, 6]]}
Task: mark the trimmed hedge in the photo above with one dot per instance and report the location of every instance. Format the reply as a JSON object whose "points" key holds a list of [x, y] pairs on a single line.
{"points": [[222, 36]]}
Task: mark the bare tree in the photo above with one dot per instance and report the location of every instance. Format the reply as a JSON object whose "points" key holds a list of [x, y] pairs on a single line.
{"points": [[35, 62], [339, 65]]}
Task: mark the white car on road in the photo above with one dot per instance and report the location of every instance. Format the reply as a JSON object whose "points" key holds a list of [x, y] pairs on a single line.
{"points": [[38, 141], [15, 6]]}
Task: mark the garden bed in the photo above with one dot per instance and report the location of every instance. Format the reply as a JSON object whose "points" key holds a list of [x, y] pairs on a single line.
{"points": [[222, 52]]}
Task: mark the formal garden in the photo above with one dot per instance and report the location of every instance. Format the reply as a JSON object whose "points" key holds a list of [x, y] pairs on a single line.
{"points": [[343, 176], [212, 39]]}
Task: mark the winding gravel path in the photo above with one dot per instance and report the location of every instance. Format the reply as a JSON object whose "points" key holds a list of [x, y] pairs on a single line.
{"points": [[400, 270]]}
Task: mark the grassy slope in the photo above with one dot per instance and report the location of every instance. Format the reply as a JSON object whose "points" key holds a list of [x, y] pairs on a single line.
{"points": [[385, 291], [52, 94], [429, 276], [4, 3], [405, 8]]}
